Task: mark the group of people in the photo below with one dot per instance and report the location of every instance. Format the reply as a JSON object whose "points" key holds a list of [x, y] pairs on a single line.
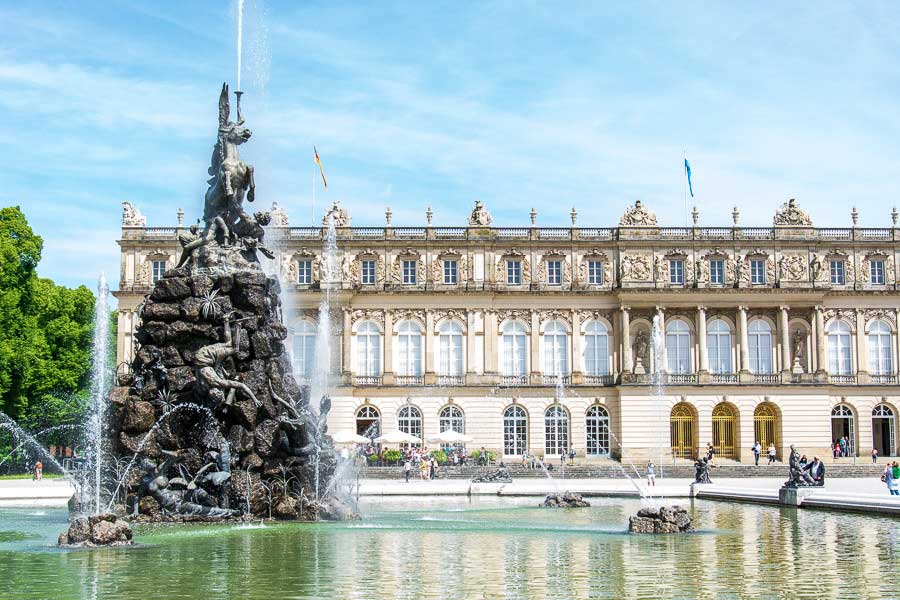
{"points": [[841, 447], [891, 477], [534, 461], [420, 461], [757, 451]]}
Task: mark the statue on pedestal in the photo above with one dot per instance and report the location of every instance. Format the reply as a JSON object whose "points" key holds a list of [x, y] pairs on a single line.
{"points": [[798, 477]]}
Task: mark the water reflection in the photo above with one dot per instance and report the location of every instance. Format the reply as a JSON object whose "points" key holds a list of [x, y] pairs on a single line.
{"points": [[490, 548]]}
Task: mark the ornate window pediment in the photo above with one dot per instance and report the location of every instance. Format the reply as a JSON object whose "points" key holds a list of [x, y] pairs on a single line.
{"points": [[514, 314], [352, 267], [511, 255], [716, 254], [593, 255], [405, 255], [638, 216], [437, 266], [675, 253], [452, 314]]}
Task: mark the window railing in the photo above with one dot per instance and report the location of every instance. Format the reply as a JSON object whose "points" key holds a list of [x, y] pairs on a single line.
{"points": [[367, 380], [410, 380], [842, 379], [724, 377], [556, 379], [884, 379], [448, 380], [599, 379], [681, 378], [513, 380], [766, 378]]}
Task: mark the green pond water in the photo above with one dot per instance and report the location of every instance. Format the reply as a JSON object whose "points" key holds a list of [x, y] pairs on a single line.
{"points": [[452, 548]]}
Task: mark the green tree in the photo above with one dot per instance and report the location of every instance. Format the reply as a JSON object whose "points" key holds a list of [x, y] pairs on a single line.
{"points": [[45, 329]]}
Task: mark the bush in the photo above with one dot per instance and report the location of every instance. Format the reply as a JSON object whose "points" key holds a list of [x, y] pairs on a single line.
{"points": [[476, 455], [440, 456], [392, 456], [373, 458]]}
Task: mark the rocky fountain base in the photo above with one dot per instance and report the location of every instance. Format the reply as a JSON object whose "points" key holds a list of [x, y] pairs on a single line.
{"points": [[662, 519], [565, 500], [96, 530]]}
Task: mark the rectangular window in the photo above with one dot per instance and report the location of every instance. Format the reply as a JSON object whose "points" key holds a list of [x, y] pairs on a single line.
{"points": [[595, 272], [676, 272], [159, 269], [409, 272], [367, 272], [304, 355], [449, 272], [514, 355], [757, 272], [717, 271], [876, 272], [554, 272], [304, 272], [837, 272], [514, 272]]}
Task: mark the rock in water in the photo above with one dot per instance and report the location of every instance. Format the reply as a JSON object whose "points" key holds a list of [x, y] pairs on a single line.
{"points": [[663, 519], [566, 500], [97, 530]]}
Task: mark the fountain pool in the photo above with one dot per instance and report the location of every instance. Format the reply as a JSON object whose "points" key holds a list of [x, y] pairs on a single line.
{"points": [[457, 548]]}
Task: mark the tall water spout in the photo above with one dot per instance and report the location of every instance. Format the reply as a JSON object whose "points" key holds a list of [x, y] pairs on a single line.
{"points": [[659, 377], [240, 39], [101, 377], [322, 373]]}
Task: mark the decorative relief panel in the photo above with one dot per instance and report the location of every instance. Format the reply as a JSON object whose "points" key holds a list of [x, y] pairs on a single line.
{"points": [[592, 315], [556, 315], [367, 314], [410, 315], [514, 314], [880, 314], [793, 268], [635, 267], [458, 314], [845, 314]]}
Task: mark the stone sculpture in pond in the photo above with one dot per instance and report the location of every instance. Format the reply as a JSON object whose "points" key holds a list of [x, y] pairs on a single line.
{"points": [[211, 417]]}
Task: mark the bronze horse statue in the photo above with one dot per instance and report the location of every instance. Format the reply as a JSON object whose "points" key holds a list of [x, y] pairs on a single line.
{"points": [[230, 177]]}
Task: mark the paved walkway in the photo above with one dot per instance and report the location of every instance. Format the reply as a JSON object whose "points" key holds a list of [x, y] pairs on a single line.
{"points": [[25, 492]]}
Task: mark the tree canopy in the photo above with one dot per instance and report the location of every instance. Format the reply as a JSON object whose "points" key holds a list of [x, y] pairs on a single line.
{"points": [[45, 332]]}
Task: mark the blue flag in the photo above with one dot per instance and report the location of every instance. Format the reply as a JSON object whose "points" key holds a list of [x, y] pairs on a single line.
{"points": [[687, 169]]}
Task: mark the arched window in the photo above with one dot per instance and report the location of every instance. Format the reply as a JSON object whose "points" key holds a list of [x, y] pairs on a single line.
{"points": [[451, 419], [304, 349], [515, 431], [556, 430], [839, 348], [368, 422], [759, 337], [368, 349], [843, 426], [409, 339], [556, 349], [678, 346], [409, 420], [597, 428], [880, 355], [718, 343], [515, 346], [450, 349], [596, 349], [884, 430]]}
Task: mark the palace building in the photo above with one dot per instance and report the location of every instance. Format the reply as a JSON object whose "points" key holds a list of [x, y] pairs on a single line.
{"points": [[541, 339]]}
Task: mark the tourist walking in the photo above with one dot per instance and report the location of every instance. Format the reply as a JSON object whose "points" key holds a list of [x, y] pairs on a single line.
{"points": [[407, 468], [710, 450], [893, 484], [772, 453], [38, 471], [757, 450], [874, 455], [651, 474], [572, 455]]}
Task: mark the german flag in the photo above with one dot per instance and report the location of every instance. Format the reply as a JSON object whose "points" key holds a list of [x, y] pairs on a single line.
{"points": [[321, 170]]}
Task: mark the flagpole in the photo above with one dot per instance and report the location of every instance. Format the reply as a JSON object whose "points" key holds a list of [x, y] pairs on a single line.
{"points": [[314, 196], [684, 185]]}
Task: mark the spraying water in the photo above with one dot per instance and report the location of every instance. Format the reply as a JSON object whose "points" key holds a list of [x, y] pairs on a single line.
{"points": [[321, 376], [659, 382], [240, 39], [101, 377]]}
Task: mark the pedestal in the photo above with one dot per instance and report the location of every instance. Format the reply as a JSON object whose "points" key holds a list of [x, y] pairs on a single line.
{"points": [[794, 496]]}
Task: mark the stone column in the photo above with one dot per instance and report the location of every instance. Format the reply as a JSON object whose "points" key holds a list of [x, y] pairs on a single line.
{"points": [[663, 356], [388, 358], [430, 376], [862, 354], [703, 371], [785, 340], [627, 359], [536, 348], [821, 361], [745, 348], [345, 345], [577, 340]]}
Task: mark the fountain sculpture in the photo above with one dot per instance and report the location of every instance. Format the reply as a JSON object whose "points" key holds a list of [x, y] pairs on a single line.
{"points": [[212, 340]]}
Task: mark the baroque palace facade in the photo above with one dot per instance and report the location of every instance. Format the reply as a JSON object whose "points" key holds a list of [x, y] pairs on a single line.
{"points": [[542, 339]]}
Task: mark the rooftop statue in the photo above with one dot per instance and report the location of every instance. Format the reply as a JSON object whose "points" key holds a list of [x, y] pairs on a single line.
{"points": [[480, 216], [638, 216], [790, 215]]}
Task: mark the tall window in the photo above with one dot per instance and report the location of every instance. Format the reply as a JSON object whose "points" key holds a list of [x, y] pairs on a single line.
{"points": [[409, 272], [409, 340], [368, 348], [367, 273], [451, 419], [759, 339], [836, 267], [839, 348], [514, 272], [450, 349], [409, 420], [718, 342], [597, 429], [554, 272], [716, 270], [876, 271], [368, 422], [515, 431], [880, 355], [304, 272], [556, 349], [556, 430], [159, 269], [515, 341], [757, 272], [678, 346], [676, 272], [450, 272], [595, 272], [304, 343], [596, 349]]}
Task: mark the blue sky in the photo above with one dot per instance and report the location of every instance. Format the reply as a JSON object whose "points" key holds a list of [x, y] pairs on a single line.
{"points": [[518, 104]]}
